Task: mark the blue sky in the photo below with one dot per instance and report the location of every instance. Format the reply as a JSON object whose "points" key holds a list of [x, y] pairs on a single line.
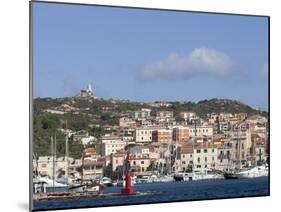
{"points": [[149, 55]]}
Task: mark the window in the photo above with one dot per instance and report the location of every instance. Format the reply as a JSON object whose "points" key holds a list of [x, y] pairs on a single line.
{"points": [[183, 162], [191, 156], [198, 166], [142, 162], [205, 150], [183, 156], [213, 158], [213, 150], [134, 162], [198, 160], [198, 151], [205, 166], [206, 159]]}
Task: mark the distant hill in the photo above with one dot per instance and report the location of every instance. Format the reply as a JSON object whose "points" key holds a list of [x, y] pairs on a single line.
{"points": [[225, 105]]}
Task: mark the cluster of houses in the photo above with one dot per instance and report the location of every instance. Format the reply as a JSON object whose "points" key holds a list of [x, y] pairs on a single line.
{"points": [[158, 143]]}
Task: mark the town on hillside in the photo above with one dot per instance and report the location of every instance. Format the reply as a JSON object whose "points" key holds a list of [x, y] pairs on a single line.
{"points": [[161, 146]]}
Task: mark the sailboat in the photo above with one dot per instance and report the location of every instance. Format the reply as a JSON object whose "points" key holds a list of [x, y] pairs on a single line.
{"points": [[82, 185], [253, 172], [257, 171]]}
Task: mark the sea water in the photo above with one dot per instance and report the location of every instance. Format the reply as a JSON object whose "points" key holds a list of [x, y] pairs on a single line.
{"points": [[169, 192]]}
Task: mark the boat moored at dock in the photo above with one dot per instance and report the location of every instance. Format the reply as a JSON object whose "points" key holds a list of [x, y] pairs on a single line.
{"points": [[257, 171]]}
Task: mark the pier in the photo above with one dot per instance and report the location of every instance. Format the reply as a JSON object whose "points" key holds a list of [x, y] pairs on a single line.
{"points": [[72, 196]]}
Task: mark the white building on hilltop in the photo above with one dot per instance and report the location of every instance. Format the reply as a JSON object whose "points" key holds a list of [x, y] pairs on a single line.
{"points": [[89, 92]]}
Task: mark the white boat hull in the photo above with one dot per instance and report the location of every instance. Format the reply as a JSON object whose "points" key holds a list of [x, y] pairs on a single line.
{"points": [[258, 171]]}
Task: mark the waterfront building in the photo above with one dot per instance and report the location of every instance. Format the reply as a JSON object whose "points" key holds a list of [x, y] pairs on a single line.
{"points": [[260, 154], [91, 153], [225, 156], [140, 151], [45, 165], [181, 134], [110, 144], [204, 156], [200, 131], [186, 157], [162, 135], [48, 164], [139, 164], [117, 161], [92, 169], [144, 135]]}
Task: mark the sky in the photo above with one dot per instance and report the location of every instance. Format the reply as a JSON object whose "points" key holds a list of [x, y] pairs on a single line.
{"points": [[149, 55]]}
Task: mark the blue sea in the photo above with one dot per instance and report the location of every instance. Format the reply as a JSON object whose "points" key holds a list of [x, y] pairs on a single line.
{"points": [[169, 192]]}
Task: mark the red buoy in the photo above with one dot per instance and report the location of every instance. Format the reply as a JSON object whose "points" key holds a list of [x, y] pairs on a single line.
{"points": [[128, 189]]}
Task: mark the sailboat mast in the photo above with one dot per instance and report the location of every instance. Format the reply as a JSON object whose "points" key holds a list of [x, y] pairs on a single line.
{"points": [[66, 153], [53, 161], [82, 167], [239, 152], [176, 153], [66, 158], [55, 158]]}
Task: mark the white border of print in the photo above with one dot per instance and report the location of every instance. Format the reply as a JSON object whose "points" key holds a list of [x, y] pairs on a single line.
{"points": [[14, 85]]}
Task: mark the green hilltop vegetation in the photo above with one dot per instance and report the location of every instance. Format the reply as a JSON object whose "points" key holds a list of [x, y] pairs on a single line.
{"points": [[93, 114]]}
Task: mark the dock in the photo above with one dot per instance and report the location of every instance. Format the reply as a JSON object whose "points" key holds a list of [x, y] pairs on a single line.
{"points": [[86, 195]]}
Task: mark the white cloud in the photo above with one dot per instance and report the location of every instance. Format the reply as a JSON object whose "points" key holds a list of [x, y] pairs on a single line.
{"points": [[198, 62]]}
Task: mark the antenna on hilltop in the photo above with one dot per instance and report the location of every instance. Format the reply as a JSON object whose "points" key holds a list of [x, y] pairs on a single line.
{"points": [[90, 87]]}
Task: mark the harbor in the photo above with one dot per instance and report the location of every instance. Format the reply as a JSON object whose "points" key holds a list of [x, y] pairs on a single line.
{"points": [[165, 192], [151, 156], [111, 170]]}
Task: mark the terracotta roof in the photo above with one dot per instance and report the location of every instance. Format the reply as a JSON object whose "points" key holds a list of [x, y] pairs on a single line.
{"points": [[90, 151], [92, 163], [186, 148]]}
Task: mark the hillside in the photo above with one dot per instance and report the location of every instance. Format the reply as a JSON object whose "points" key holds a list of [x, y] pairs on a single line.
{"points": [[93, 114]]}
